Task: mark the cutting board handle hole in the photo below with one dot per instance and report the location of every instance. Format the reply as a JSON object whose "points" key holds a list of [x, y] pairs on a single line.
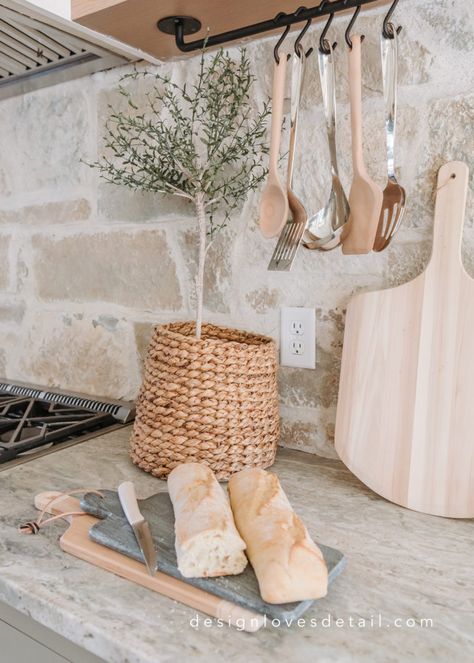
{"points": [[451, 177]]}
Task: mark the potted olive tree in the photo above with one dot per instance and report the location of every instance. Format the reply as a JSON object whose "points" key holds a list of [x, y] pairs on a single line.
{"points": [[209, 393]]}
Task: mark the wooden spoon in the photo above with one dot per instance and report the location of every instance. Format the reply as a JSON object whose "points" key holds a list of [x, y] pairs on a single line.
{"points": [[365, 198], [274, 200]]}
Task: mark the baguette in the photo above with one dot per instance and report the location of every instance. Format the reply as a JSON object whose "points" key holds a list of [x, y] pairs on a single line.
{"points": [[288, 564], [206, 540]]}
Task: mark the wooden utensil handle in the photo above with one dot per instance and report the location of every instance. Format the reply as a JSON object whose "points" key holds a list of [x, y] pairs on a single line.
{"points": [[449, 214], [355, 93], [279, 73]]}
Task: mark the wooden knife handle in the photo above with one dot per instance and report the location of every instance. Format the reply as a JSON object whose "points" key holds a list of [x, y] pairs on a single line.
{"points": [[128, 500]]}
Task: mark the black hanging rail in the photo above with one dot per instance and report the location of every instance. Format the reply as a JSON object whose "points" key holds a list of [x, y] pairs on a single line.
{"points": [[180, 26]]}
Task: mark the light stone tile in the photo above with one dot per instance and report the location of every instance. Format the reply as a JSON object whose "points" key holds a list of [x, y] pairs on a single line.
{"points": [[77, 352], [44, 137], [450, 136], [309, 430], [48, 213], [125, 205], [263, 299], [132, 269], [12, 312], [4, 263], [143, 333], [399, 269]]}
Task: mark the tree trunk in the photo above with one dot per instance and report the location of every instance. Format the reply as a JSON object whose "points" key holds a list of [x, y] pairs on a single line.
{"points": [[201, 217]]}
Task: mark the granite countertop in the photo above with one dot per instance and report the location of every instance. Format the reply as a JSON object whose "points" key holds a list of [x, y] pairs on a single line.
{"points": [[402, 566]]}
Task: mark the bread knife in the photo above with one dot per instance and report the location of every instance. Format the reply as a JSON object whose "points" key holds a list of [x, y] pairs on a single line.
{"points": [[128, 500]]}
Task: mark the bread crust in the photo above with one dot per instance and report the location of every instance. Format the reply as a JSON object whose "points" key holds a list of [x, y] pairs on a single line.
{"points": [[288, 564], [207, 542]]}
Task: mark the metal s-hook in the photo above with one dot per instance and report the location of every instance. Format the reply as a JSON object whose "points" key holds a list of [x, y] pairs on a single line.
{"points": [[281, 40], [298, 46], [388, 28], [323, 43], [347, 35]]}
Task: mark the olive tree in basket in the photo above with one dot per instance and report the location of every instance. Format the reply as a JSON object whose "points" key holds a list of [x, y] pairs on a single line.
{"points": [[202, 141]]}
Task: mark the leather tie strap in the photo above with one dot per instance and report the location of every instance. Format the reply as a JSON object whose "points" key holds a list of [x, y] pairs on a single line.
{"points": [[34, 526]]}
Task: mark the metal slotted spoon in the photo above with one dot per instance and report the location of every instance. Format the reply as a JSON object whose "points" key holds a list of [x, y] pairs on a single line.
{"points": [[393, 205], [325, 227]]}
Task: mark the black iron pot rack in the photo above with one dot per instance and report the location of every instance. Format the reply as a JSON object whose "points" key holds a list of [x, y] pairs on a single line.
{"points": [[180, 26]]}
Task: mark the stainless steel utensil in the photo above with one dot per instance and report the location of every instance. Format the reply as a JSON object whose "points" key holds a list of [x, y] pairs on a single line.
{"points": [[290, 237], [128, 500], [325, 227], [394, 199]]}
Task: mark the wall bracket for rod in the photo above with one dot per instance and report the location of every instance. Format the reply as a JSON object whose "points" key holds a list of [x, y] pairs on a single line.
{"points": [[181, 26], [186, 24]]}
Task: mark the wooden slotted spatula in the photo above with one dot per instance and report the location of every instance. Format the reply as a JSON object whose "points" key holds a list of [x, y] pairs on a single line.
{"points": [[405, 417], [365, 197]]}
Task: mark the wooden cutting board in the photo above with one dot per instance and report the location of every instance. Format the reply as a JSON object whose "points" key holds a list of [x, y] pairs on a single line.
{"points": [[76, 541], [405, 415], [241, 590]]}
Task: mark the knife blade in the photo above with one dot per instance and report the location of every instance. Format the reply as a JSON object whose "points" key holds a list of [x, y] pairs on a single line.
{"points": [[128, 500]]}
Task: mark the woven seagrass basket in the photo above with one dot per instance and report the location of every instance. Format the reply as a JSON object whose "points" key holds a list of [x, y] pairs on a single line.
{"points": [[212, 401]]}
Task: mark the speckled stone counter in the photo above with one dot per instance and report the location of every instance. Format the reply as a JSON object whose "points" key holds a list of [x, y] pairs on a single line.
{"points": [[402, 567]]}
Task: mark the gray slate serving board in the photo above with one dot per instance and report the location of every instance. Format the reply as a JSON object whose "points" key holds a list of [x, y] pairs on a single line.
{"points": [[114, 532]]}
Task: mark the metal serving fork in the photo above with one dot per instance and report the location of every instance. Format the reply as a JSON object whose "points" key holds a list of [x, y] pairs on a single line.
{"points": [[290, 237], [393, 205]]}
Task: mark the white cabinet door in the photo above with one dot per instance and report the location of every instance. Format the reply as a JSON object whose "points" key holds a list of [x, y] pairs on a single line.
{"points": [[18, 647], [23, 640]]}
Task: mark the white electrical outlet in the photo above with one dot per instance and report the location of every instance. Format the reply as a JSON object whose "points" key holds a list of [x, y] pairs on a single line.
{"points": [[298, 337], [297, 328], [297, 347]]}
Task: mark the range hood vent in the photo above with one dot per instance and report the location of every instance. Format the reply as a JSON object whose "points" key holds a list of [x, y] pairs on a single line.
{"points": [[38, 48]]}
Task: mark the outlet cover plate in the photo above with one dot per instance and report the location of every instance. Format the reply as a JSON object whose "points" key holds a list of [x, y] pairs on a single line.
{"points": [[298, 328]]}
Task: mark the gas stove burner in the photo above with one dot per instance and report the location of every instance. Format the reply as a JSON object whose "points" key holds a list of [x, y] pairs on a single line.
{"points": [[32, 420]]}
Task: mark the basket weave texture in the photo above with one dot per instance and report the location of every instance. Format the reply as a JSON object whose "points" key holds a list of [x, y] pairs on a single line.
{"points": [[212, 400]]}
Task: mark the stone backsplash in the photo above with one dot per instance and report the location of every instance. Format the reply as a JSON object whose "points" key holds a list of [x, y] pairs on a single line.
{"points": [[86, 269]]}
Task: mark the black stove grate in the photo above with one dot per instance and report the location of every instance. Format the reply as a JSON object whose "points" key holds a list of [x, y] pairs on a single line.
{"points": [[28, 424], [116, 409]]}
